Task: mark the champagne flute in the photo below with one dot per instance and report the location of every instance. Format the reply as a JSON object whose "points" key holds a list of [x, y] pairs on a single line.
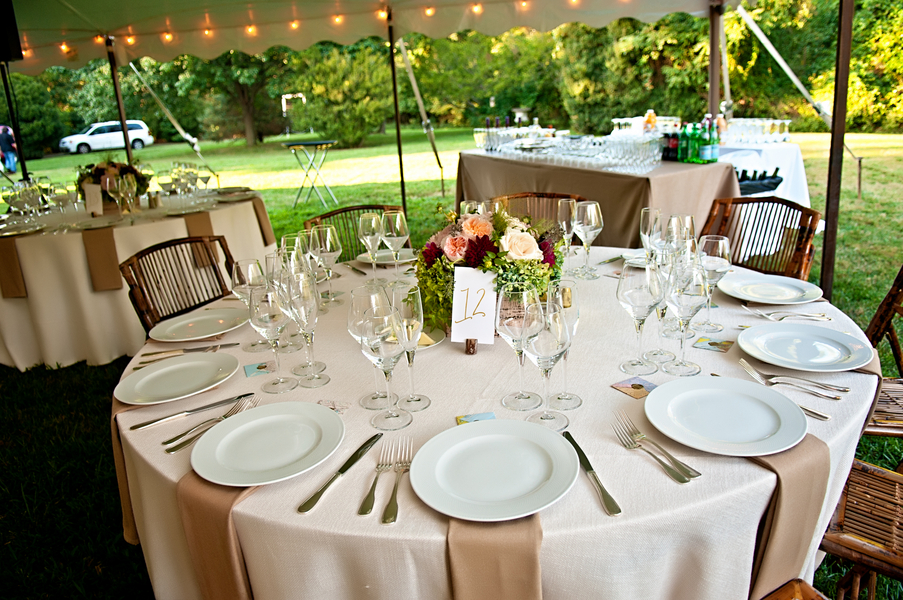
{"points": [[545, 349], [587, 227], [268, 319], [369, 231], [247, 276], [394, 233], [406, 300], [515, 324], [715, 257], [564, 294], [686, 296], [363, 299], [381, 344], [325, 245], [567, 219], [639, 291], [301, 301]]}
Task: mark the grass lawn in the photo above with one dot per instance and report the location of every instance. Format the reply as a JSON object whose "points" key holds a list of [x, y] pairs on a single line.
{"points": [[59, 509]]}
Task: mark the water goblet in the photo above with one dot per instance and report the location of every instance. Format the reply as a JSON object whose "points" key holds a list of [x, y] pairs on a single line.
{"points": [[326, 247], [639, 291], [564, 294], [369, 231], [406, 300], [268, 319], [301, 302], [247, 276], [363, 299], [587, 227], [516, 325], [545, 349], [567, 219], [650, 230], [394, 233], [715, 257], [381, 344], [686, 296]]}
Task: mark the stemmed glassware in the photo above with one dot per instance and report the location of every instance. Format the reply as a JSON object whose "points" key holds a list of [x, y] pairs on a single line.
{"points": [[650, 230], [545, 349], [394, 233], [679, 240], [686, 296], [268, 319], [639, 291], [369, 231], [326, 247], [663, 258], [516, 325], [301, 302], [365, 298], [406, 300], [715, 256], [587, 227], [246, 277], [381, 344], [564, 294], [567, 219]]}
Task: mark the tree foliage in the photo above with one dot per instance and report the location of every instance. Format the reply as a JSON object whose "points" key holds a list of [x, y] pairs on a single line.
{"points": [[40, 121]]}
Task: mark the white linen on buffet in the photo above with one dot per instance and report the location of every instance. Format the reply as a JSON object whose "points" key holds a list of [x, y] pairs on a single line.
{"points": [[693, 541]]}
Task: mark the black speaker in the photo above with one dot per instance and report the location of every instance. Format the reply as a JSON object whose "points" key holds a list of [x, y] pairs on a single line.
{"points": [[10, 48]]}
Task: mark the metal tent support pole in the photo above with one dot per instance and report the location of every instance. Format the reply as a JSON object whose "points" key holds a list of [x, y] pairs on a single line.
{"points": [[716, 10], [838, 129], [111, 56], [404, 202], [14, 117]]}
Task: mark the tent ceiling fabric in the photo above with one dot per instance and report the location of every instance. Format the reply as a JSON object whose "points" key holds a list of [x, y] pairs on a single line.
{"points": [[64, 32]]}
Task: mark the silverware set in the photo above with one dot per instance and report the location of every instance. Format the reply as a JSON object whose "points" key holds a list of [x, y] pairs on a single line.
{"points": [[811, 412], [164, 354], [202, 428], [402, 455], [780, 315], [630, 437]]}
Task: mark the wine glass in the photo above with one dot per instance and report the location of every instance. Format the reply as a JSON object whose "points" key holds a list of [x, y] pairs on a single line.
{"points": [[301, 301], [381, 344], [650, 230], [564, 294], [663, 259], [545, 349], [567, 218], [128, 190], [587, 228], [112, 185], [715, 257], [369, 231], [686, 296], [326, 247], [515, 324], [268, 319], [394, 233], [679, 240], [363, 299], [406, 300], [247, 276], [639, 291]]}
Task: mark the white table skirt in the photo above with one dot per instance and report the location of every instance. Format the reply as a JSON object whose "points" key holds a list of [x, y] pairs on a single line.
{"points": [[64, 321], [768, 157], [693, 541]]}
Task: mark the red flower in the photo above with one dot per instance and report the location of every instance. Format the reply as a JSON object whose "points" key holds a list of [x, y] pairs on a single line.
{"points": [[477, 249], [548, 253], [431, 253]]}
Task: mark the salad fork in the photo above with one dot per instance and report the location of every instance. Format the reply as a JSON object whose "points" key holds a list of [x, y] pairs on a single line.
{"points": [[786, 314], [767, 382], [639, 436], [386, 460], [631, 444], [770, 377], [240, 406], [402, 466]]}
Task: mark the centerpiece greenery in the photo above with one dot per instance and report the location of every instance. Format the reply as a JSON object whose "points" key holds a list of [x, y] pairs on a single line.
{"points": [[514, 248], [108, 168]]}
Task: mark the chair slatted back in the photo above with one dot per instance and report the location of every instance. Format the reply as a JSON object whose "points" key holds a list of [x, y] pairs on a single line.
{"points": [[882, 324], [174, 277], [540, 206], [345, 220], [769, 235]]}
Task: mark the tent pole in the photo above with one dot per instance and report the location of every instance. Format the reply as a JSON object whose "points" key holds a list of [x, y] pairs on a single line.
{"points": [[716, 10], [115, 75], [14, 118], [838, 128], [404, 203]]}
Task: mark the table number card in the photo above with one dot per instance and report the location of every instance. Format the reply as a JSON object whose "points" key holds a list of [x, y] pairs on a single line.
{"points": [[93, 199], [473, 306]]}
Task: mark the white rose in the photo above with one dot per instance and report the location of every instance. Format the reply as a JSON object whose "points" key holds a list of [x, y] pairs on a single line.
{"points": [[520, 246]]}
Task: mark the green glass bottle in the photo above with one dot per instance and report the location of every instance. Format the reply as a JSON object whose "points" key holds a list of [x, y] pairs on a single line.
{"points": [[695, 138]]}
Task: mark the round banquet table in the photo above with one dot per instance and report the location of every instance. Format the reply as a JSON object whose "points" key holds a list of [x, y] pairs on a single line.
{"points": [[693, 541]]}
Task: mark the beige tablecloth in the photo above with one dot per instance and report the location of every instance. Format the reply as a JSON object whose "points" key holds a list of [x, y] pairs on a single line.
{"points": [[672, 187]]}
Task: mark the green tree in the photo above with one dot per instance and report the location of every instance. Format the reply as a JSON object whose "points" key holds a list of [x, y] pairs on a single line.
{"points": [[41, 123]]}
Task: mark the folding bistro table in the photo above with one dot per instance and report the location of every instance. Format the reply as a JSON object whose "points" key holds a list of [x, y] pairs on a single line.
{"points": [[315, 154]]}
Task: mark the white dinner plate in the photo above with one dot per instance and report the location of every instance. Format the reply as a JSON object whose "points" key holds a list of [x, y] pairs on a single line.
{"points": [[10, 227], [494, 470], [199, 324], [384, 257], [805, 347], [726, 416], [99, 222], [430, 338], [267, 444], [231, 190], [768, 289], [176, 378]]}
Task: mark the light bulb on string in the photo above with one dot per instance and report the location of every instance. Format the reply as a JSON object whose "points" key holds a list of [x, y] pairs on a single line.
{"points": [[477, 9], [295, 24], [429, 11], [338, 19]]}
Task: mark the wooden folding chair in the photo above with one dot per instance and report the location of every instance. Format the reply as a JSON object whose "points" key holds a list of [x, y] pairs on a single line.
{"points": [[345, 220], [769, 235], [174, 277], [538, 205], [888, 417]]}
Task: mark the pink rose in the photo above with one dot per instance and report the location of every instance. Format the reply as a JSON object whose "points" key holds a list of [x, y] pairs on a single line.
{"points": [[454, 247], [520, 246], [476, 225]]}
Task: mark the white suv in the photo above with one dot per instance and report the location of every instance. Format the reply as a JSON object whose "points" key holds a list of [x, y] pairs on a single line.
{"points": [[102, 136]]}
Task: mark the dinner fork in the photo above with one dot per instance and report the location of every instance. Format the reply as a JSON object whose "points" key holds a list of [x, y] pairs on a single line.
{"points": [[402, 465], [386, 459], [771, 377], [639, 436], [240, 406], [786, 314], [767, 382], [631, 444]]}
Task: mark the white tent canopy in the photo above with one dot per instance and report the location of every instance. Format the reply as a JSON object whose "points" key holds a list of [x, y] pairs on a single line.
{"points": [[65, 32]]}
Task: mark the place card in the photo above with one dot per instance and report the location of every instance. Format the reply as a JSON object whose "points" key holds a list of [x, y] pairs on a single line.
{"points": [[487, 416], [713, 345], [93, 199], [338, 407], [263, 368], [473, 306], [635, 387]]}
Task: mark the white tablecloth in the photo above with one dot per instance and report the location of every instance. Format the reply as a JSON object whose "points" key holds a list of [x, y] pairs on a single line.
{"points": [[768, 157], [672, 541], [64, 321]]}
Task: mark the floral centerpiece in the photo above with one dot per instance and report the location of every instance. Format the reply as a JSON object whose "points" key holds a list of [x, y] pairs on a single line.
{"points": [[100, 172], [515, 249]]}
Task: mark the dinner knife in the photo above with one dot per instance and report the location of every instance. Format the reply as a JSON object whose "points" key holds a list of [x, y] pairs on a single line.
{"points": [[189, 412], [185, 350], [608, 503], [355, 269], [365, 447]]}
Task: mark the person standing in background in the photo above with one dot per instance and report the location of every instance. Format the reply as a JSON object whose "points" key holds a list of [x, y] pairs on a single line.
{"points": [[8, 147]]}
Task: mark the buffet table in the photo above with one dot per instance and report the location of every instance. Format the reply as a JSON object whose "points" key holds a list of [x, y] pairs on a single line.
{"points": [[695, 541], [672, 187], [59, 317]]}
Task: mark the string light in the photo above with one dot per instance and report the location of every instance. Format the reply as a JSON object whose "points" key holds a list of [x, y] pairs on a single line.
{"points": [[383, 14], [98, 39], [130, 40], [477, 8], [524, 4], [338, 19], [295, 24], [167, 37], [429, 11], [251, 30], [208, 33], [64, 47], [27, 52]]}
